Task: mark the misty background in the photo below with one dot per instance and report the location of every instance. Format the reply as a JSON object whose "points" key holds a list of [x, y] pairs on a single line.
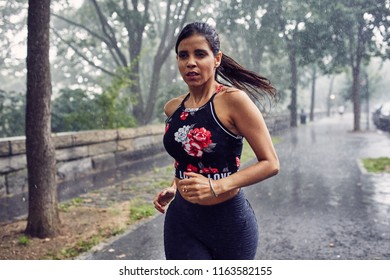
{"points": [[113, 62]]}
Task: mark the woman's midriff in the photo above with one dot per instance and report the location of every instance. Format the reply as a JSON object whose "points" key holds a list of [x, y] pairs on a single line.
{"points": [[213, 200]]}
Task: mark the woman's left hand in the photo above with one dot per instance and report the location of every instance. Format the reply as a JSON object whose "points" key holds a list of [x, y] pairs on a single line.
{"points": [[195, 188]]}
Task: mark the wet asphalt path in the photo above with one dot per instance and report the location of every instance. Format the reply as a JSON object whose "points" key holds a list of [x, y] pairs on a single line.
{"points": [[322, 205]]}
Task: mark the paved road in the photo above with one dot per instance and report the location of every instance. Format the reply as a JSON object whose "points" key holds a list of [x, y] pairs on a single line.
{"points": [[322, 205]]}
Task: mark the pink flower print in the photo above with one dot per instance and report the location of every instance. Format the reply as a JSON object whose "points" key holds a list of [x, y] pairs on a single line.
{"points": [[198, 139], [193, 149], [238, 163], [200, 135], [191, 168], [195, 141], [166, 127], [208, 170], [184, 115]]}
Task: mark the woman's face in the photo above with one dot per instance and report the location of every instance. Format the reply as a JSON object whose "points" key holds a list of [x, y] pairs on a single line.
{"points": [[196, 61]]}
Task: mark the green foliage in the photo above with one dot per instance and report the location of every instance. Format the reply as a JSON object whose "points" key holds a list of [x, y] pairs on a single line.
{"points": [[140, 210], [370, 81], [377, 165], [12, 22], [114, 101], [64, 207], [12, 108], [252, 29], [23, 240], [81, 247], [76, 110], [353, 28]]}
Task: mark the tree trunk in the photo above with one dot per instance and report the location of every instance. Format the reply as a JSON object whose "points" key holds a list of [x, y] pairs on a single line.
{"points": [[293, 87], [150, 107], [313, 93], [356, 60], [43, 219], [356, 98], [135, 88], [137, 98], [367, 94]]}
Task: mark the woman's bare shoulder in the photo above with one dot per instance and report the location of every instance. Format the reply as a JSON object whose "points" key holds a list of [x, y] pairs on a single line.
{"points": [[232, 96], [171, 106]]}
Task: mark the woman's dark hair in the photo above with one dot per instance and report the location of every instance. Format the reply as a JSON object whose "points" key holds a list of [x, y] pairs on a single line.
{"points": [[253, 84]]}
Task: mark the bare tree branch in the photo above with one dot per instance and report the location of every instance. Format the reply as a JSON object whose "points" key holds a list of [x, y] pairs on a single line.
{"points": [[110, 33], [126, 20], [90, 31], [94, 34], [90, 62]]}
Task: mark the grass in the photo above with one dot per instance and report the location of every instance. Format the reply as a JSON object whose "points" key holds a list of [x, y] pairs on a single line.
{"points": [[140, 210], [84, 245], [66, 206], [81, 246], [23, 240], [377, 165]]}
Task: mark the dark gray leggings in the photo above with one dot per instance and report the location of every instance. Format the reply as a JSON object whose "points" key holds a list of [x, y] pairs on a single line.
{"points": [[226, 231]]}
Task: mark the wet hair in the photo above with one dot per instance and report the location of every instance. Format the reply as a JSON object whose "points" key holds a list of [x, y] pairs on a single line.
{"points": [[255, 85]]}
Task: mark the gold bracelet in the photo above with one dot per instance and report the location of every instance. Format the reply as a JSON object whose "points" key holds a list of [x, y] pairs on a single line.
{"points": [[212, 188]]}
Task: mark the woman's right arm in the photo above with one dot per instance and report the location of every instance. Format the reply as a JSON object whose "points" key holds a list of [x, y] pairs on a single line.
{"points": [[164, 197]]}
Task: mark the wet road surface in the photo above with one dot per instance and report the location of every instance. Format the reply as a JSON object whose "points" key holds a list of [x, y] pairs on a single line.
{"points": [[322, 204]]}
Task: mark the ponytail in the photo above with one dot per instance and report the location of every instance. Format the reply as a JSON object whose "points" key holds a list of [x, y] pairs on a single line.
{"points": [[256, 86]]}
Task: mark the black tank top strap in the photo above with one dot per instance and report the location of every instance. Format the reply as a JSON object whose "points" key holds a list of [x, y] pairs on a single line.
{"points": [[219, 87], [184, 100]]}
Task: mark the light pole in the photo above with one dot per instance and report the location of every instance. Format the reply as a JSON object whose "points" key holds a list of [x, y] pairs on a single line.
{"points": [[331, 99]]}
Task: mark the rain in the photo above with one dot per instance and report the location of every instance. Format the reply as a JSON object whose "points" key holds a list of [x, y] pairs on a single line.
{"points": [[113, 67]]}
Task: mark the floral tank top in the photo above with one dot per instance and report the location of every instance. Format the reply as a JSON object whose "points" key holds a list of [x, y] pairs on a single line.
{"points": [[200, 143]]}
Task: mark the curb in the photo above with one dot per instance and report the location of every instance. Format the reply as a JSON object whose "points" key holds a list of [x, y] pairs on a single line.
{"points": [[108, 242]]}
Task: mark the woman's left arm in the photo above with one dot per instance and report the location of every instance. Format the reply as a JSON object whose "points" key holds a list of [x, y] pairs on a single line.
{"points": [[248, 121]]}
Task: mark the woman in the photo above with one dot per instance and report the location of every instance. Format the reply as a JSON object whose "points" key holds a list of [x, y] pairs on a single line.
{"points": [[209, 217]]}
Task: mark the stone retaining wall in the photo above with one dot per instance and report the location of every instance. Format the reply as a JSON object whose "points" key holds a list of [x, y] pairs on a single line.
{"points": [[79, 154], [88, 152]]}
